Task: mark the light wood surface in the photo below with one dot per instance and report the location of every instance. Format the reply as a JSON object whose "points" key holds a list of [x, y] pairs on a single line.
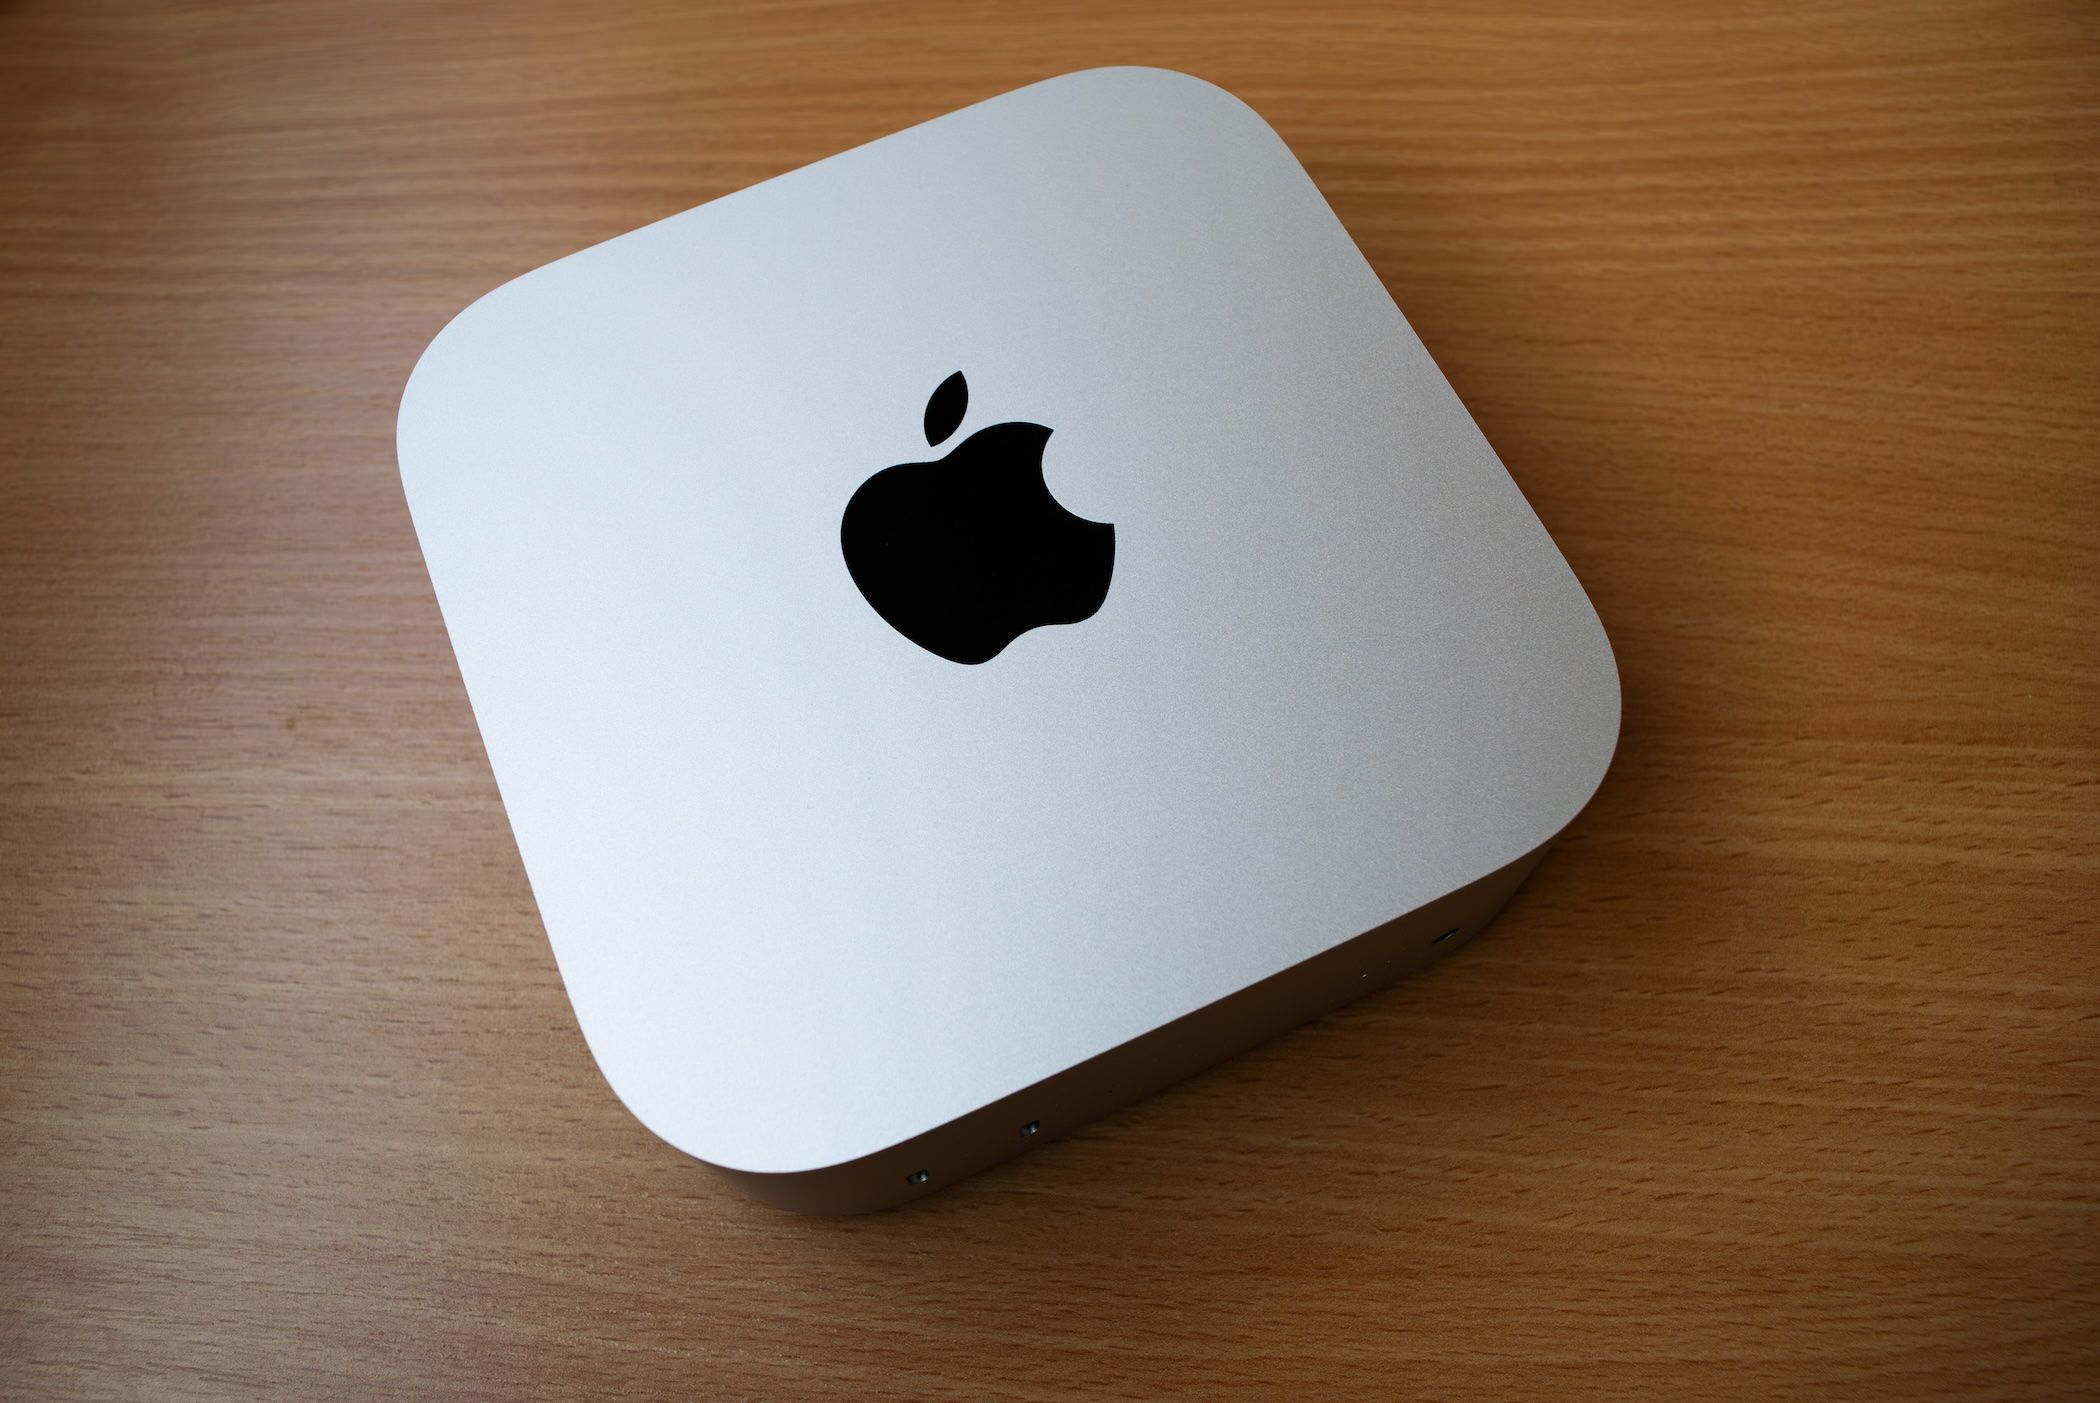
{"points": [[1778, 1079]]}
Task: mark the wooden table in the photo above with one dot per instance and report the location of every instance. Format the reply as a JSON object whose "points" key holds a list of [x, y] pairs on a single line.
{"points": [[1778, 1079]]}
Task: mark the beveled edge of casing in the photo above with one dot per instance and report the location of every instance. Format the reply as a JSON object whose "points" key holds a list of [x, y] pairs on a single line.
{"points": [[1150, 1062]]}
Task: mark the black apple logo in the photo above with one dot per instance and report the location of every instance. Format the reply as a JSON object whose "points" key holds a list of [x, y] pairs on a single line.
{"points": [[964, 555]]}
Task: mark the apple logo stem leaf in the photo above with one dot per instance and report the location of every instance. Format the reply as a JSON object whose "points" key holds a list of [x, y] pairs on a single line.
{"points": [[965, 554], [944, 411]]}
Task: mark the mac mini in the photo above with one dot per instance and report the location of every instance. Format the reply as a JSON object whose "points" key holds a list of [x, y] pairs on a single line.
{"points": [[983, 626]]}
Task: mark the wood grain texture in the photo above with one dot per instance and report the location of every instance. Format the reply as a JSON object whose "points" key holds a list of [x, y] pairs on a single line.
{"points": [[1779, 1079]]}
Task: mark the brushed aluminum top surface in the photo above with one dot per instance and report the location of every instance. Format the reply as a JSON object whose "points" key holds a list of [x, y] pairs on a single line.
{"points": [[813, 889]]}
